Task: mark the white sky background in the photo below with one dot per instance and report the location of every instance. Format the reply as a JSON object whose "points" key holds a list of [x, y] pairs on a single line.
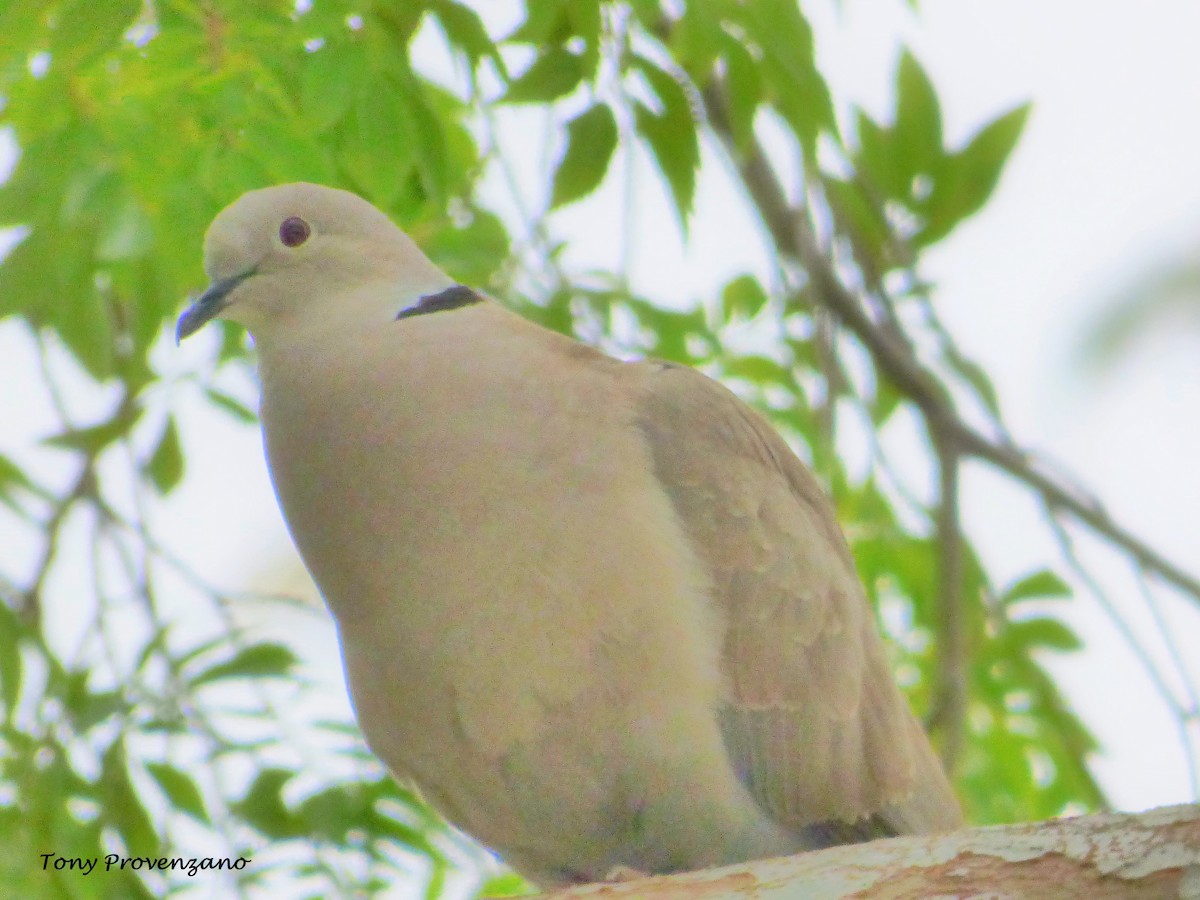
{"points": [[1104, 183]]}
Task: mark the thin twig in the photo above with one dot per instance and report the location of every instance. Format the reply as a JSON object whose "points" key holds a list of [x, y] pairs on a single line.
{"points": [[1132, 641], [793, 236], [1191, 713]]}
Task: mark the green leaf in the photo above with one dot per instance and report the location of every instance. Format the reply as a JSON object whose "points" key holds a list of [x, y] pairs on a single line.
{"points": [[286, 149], [328, 77], [967, 178], [584, 21], [861, 219], [1042, 584], [263, 808], [333, 812], [84, 28], [697, 39], [232, 405], [125, 233], [649, 12], [86, 328], [465, 30], [546, 23], [11, 631], [877, 160], [788, 67], [429, 148], [256, 661], [508, 884], [14, 479], [92, 439], [555, 73], [24, 289], [180, 789], [591, 141], [165, 467], [671, 135], [744, 86], [885, 401], [742, 298], [553, 23], [121, 805], [471, 253], [918, 127], [1043, 632], [757, 369], [377, 151], [85, 707]]}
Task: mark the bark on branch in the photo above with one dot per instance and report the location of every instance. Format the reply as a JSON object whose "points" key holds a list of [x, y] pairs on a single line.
{"points": [[1155, 854]]}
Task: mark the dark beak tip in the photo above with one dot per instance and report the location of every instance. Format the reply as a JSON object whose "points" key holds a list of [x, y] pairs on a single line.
{"points": [[187, 325], [207, 306]]}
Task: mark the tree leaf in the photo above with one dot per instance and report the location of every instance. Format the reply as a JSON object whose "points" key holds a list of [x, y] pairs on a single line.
{"points": [[860, 219], [121, 805], [93, 438], [918, 127], [429, 150], [232, 405], [13, 479], [86, 707], [1043, 584], [377, 151], [696, 40], [328, 77], [788, 67], [1043, 632], [84, 28], [742, 298], [555, 73], [465, 30], [591, 141], [256, 661], [671, 135], [263, 808], [180, 789], [473, 252], [11, 631], [966, 179], [744, 85], [165, 467], [877, 160]]}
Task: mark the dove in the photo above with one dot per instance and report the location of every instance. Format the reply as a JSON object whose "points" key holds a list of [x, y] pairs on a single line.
{"points": [[596, 611]]}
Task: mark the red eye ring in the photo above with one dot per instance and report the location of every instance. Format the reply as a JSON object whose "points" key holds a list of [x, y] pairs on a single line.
{"points": [[294, 231]]}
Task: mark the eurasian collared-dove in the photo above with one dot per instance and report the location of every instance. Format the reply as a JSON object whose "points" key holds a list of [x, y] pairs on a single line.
{"points": [[597, 611]]}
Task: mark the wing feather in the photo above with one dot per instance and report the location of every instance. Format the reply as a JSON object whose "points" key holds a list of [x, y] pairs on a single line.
{"points": [[812, 718]]}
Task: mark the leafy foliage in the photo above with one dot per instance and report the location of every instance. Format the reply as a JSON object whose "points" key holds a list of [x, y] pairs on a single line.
{"points": [[136, 123]]}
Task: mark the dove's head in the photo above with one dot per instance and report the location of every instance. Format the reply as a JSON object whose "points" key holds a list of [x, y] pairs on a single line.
{"points": [[291, 254]]}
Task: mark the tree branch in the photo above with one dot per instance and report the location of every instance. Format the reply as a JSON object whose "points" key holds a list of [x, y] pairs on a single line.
{"points": [[1102, 857], [793, 236]]}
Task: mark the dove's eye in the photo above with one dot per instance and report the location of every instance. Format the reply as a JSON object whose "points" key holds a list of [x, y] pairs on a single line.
{"points": [[294, 231]]}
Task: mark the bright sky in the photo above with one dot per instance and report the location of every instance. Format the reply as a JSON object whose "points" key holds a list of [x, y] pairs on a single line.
{"points": [[1103, 185]]}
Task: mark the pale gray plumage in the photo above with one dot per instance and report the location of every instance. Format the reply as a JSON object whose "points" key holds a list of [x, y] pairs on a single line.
{"points": [[598, 612]]}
